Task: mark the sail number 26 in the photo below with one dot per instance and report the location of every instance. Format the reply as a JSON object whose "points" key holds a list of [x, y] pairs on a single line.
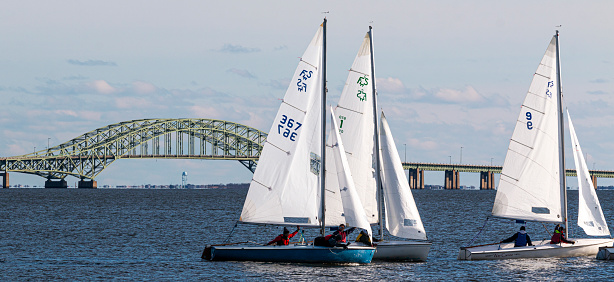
{"points": [[529, 122], [287, 127]]}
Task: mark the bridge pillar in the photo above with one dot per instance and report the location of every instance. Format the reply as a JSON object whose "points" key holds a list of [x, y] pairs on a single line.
{"points": [[594, 179], [5, 179], [56, 184], [416, 178], [487, 180], [87, 184], [451, 179]]}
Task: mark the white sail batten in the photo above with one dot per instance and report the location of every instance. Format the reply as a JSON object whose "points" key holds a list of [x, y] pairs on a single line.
{"points": [[285, 186], [402, 216], [354, 116], [353, 210], [530, 186], [590, 215]]}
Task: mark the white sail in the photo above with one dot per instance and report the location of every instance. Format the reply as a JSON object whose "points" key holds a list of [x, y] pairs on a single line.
{"points": [[354, 115], [402, 216], [285, 186], [353, 210], [529, 187], [590, 215]]}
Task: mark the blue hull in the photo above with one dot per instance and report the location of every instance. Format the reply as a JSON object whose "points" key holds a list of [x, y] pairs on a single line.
{"points": [[296, 253]]}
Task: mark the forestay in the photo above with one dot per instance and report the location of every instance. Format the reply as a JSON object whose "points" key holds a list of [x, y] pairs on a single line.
{"points": [[353, 210], [590, 215], [354, 115], [284, 189], [529, 187], [402, 217]]}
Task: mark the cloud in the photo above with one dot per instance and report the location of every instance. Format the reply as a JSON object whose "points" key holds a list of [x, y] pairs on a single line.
{"points": [[102, 87], [279, 48], [141, 87], [597, 92], [390, 84], [91, 63], [229, 48], [467, 95], [280, 84], [599, 80], [242, 73]]}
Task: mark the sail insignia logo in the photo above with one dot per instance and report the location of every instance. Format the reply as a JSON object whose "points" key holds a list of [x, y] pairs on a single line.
{"points": [[362, 82], [303, 77]]}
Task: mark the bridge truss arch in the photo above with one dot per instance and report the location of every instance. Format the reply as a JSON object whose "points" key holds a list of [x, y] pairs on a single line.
{"points": [[89, 154]]}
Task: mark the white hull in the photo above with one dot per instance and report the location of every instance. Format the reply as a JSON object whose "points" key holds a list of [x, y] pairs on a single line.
{"points": [[543, 249], [402, 250], [606, 253]]}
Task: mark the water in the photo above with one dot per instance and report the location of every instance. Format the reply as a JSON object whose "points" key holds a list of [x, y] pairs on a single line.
{"points": [[53, 234]]}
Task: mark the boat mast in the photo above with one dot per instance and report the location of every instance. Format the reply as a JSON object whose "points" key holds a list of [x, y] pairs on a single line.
{"points": [[378, 181], [561, 135], [323, 137]]}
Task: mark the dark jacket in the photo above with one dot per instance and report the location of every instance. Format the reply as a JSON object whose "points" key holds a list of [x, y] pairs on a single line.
{"points": [[520, 239], [559, 237], [281, 240]]}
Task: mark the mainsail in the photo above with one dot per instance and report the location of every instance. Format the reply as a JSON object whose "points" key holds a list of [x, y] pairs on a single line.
{"points": [[402, 216], [285, 186], [590, 216], [354, 116], [353, 210], [530, 183]]}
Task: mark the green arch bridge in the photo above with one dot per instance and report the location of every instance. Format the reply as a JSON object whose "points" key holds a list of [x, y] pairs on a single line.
{"points": [[88, 155]]}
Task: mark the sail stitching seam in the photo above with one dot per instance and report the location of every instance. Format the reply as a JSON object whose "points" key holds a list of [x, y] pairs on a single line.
{"points": [[309, 64], [350, 110], [359, 72]]}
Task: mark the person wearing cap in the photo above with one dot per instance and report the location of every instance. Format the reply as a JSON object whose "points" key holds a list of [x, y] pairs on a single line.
{"points": [[363, 237], [520, 239], [339, 236], [284, 238], [559, 236]]}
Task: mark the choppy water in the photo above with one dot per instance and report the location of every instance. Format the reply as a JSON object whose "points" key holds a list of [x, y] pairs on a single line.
{"points": [[49, 234]]}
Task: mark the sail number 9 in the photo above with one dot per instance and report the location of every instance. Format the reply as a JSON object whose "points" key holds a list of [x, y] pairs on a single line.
{"points": [[287, 127], [529, 122]]}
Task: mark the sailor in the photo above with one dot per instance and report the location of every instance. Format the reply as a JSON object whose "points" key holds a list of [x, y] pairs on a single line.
{"points": [[363, 237], [284, 238], [339, 236], [520, 239], [559, 236]]}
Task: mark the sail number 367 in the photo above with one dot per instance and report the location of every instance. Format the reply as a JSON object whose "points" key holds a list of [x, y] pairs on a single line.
{"points": [[287, 127]]}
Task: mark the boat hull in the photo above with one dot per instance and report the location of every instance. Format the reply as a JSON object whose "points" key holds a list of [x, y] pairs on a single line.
{"points": [[606, 253], [293, 253], [582, 247], [402, 250]]}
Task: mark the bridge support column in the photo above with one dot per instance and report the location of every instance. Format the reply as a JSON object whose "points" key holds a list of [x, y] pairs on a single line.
{"points": [[56, 184], [594, 179], [5, 179], [415, 178], [487, 180], [87, 184], [451, 180]]}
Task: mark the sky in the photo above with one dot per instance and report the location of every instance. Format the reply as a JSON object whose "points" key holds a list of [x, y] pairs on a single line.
{"points": [[450, 74]]}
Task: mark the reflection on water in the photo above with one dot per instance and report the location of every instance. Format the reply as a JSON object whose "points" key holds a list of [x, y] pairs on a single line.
{"points": [[160, 234]]}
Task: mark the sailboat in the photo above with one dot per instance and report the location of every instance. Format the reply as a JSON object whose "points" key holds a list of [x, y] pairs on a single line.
{"points": [[356, 115], [288, 187], [532, 186]]}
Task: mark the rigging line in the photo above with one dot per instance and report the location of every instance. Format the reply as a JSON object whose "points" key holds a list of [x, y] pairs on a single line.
{"points": [[546, 229], [481, 229], [348, 109], [231, 231]]}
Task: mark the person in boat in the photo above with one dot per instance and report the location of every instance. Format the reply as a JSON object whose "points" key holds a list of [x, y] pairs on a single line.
{"points": [[284, 238], [339, 236], [363, 237], [559, 236], [520, 239]]}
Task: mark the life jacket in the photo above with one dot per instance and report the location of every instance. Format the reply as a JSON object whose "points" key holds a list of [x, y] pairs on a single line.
{"points": [[521, 240], [556, 237]]}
